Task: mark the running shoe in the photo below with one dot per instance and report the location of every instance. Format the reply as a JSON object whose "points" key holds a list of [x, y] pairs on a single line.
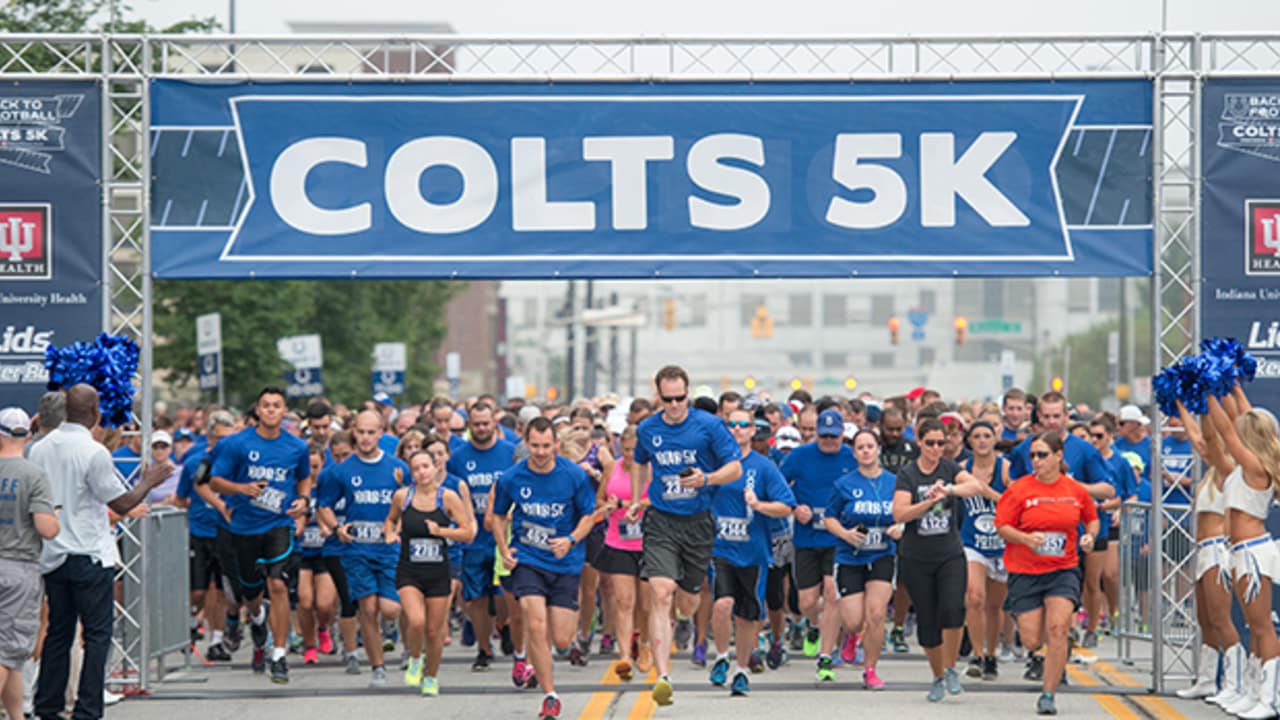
{"points": [[662, 692], [517, 672], [352, 664], [468, 633], [859, 656], [1035, 669], [550, 708], [310, 656], [483, 660], [644, 658], [952, 680], [1045, 706], [1090, 639], [699, 656], [811, 642], [755, 663], [683, 633], [217, 652], [622, 669], [776, 657], [1006, 653], [504, 638], [607, 645], [234, 634], [413, 673], [937, 691], [825, 672], [796, 632], [576, 657], [720, 671], [389, 641], [990, 669], [530, 677], [295, 643], [280, 671], [378, 678], [849, 649], [871, 681], [899, 640], [259, 634], [259, 662], [430, 686], [325, 643], [741, 685], [975, 666]]}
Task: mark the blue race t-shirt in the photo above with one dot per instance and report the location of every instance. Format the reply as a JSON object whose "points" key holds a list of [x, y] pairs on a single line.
{"points": [[856, 499], [700, 440], [1007, 433], [978, 524], [202, 520], [546, 506], [328, 486], [388, 443], [1175, 455], [1123, 480], [1084, 464], [247, 458], [742, 535], [1142, 448], [811, 474], [480, 469], [454, 483], [367, 487]]}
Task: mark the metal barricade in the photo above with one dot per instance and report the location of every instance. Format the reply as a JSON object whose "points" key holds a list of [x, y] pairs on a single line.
{"points": [[1136, 589], [156, 588]]}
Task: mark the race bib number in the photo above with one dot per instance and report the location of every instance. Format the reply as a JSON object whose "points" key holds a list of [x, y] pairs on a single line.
{"points": [[536, 536], [1054, 545], [426, 550], [481, 503], [876, 541], [365, 532], [311, 537], [935, 522], [816, 523], [673, 490], [270, 499], [732, 529], [630, 530]]}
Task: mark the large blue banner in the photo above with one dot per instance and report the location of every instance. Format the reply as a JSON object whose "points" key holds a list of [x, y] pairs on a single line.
{"points": [[50, 228], [1240, 223], [630, 180]]}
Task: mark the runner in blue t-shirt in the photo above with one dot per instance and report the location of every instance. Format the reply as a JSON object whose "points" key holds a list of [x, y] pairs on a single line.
{"points": [[984, 551], [680, 453], [265, 474], [1102, 563], [333, 585], [551, 504], [1132, 436], [205, 520], [812, 470], [480, 462], [860, 518], [367, 481], [742, 551]]}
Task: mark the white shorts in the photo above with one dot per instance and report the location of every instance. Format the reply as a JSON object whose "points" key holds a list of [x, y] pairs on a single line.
{"points": [[1258, 561], [994, 565], [1213, 553]]}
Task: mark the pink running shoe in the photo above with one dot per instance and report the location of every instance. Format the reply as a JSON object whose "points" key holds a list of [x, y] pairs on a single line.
{"points": [[517, 673], [310, 656], [872, 681], [849, 651], [325, 642]]}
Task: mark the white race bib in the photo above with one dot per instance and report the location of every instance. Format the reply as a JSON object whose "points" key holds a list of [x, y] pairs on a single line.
{"points": [[270, 499], [426, 550], [875, 541], [673, 490], [311, 537], [937, 521], [536, 536], [818, 514], [1054, 545], [733, 529], [366, 532], [630, 530]]}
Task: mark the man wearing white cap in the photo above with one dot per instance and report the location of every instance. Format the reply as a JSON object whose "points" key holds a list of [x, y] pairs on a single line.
{"points": [[1132, 436], [26, 516]]}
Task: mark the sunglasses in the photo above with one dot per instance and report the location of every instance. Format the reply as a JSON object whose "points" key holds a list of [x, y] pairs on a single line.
{"points": [[1098, 436], [673, 398], [1040, 454], [934, 443], [740, 423]]}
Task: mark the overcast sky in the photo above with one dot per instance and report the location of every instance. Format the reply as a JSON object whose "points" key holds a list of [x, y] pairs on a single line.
{"points": [[736, 17]]}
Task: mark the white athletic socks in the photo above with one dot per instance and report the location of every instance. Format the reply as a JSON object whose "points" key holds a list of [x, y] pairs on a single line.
{"points": [[277, 653], [261, 616]]}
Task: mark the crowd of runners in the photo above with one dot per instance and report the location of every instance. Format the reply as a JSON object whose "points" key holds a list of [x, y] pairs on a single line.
{"points": [[745, 530]]}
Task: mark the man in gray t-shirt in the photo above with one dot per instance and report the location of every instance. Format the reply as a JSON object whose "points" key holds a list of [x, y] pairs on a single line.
{"points": [[26, 515]]}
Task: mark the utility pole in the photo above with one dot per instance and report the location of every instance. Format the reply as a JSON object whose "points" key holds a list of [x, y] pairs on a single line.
{"points": [[589, 353], [571, 343], [613, 348]]}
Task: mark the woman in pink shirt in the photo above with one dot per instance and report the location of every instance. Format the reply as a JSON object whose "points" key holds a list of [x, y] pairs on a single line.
{"points": [[619, 561]]}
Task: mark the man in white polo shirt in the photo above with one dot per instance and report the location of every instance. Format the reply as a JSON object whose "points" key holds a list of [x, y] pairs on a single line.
{"points": [[78, 564]]}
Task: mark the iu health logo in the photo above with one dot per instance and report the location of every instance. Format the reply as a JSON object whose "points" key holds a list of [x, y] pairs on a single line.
{"points": [[1262, 237], [25, 242]]}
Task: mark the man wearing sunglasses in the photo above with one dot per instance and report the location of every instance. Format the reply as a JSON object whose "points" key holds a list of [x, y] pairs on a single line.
{"points": [[680, 454]]}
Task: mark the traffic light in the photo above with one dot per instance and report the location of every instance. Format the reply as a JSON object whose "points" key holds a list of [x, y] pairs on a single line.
{"points": [[850, 383], [749, 383], [893, 330], [1057, 383], [962, 330], [761, 323], [552, 393], [669, 314], [796, 384]]}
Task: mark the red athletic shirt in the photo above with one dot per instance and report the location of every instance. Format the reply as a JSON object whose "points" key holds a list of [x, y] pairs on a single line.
{"points": [[1057, 510]]}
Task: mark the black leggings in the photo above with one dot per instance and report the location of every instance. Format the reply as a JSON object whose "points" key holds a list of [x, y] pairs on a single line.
{"points": [[333, 563], [778, 591], [937, 589]]}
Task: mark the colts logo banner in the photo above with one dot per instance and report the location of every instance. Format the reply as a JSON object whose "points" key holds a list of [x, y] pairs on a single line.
{"points": [[25, 242], [1262, 237]]}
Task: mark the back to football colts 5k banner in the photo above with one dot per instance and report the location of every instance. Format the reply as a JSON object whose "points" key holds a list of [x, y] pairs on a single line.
{"points": [[50, 228]]}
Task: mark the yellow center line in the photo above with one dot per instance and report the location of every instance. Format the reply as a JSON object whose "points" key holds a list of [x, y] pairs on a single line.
{"points": [[1159, 708], [1116, 707], [1156, 706]]}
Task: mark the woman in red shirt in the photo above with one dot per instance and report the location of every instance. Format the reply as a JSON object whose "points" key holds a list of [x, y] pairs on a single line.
{"points": [[1038, 517]]}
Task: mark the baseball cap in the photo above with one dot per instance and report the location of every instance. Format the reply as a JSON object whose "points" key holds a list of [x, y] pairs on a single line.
{"points": [[528, 413], [850, 430], [1135, 460], [830, 424], [763, 431], [383, 399], [161, 436], [874, 410], [915, 393], [787, 438], [14, 422], [948, 418], [184, 434], [1131, 413]]}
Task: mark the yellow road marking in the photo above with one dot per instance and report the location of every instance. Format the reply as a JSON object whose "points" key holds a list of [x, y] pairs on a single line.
{"points": [[1156, 706], [597, 705], [1159, 708], [1116, 707]]}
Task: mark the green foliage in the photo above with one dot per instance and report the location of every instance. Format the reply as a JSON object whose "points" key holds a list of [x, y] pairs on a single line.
{"points": [[349, 316], [1088, 380], [77, 16]]}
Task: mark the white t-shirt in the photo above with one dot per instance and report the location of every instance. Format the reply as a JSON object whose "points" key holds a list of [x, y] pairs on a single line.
{"points": [[83, 480]]}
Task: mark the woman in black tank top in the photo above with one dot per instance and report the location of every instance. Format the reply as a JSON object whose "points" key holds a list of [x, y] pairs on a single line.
{"points": [[424, 517]]}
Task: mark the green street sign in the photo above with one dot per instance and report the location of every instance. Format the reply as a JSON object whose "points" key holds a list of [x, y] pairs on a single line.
{"points": [[995, 327]]}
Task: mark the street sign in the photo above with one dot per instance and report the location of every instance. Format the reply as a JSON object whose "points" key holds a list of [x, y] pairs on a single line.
{"points": [[303, 382], [390, 361], [995, 326], [306, 355], [209, 353]]}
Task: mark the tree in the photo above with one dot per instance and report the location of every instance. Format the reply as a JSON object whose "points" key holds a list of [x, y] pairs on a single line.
{"points": [[1088, 379]]}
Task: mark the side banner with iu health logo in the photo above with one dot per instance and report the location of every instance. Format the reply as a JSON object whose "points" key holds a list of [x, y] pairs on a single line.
{"points": [[336, 180], [50, 228], [1240, 223]]}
